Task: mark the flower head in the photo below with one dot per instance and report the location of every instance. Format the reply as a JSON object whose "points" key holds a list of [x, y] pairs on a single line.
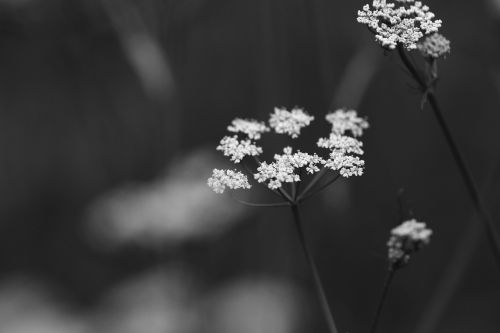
{"points": [[252, 128], [399, 22], [285, 168], [341, 156], [434, 46], [406, 239], [289, 166], [289, 122], [344, 120], [232, 179], [238, 149]]}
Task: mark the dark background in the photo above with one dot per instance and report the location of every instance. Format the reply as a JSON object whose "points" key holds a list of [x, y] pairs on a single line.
{"points": [[98, 96]]}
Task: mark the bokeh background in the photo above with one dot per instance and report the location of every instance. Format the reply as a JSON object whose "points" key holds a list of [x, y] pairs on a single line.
{"points": [[110, 111]]}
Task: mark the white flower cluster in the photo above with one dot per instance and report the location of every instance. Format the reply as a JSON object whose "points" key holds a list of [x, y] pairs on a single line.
{"points": [[347, 120], [252, 128], [434, 46], [340, 159], [406, 239], [405, 23], [232, 179], [289, 122], [237, 149], [285, 167]]}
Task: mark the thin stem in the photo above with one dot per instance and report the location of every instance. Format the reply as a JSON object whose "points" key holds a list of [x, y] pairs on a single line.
{"points": [[313, 182], [303, 197], [455, 268], [491, 232], [383, 297], [285, 195], [314, 271], [254, 204]]}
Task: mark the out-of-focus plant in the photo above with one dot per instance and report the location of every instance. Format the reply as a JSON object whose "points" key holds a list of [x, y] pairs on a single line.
{"points": [[406, 239], [407, 25], [285, 174]]}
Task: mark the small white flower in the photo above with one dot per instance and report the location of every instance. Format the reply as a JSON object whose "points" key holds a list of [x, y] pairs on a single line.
{"points": [[252, 128], [347, 165], [342, 143], [232, 179], [405, 23], [406, 239], [289, 122], [434, 46], [285, 167], [344, 120], [238, 149], [341, 147]]}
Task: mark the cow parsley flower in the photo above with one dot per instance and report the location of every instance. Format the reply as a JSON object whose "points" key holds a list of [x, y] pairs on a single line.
{"points": [[252, 128], [342, 143], [406, 239], [344, 120], [232, 179], [347, 165], [238, 149], [402, 22], [289, 122], [285, 168], [341, 159], [434, 46]]}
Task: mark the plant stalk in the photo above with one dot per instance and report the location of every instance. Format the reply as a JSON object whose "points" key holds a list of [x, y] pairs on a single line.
{"points": [[491, 232], [314, 271], [383, 297]]}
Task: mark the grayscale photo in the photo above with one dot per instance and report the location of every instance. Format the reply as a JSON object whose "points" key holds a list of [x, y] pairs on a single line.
{"points": [[237, 166]]}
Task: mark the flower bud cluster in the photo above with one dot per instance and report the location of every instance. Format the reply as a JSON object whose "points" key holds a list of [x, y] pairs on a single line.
{"points": [[405, 240]]}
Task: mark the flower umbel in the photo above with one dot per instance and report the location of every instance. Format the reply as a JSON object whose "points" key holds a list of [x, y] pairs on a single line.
{"points": [[290, 167], [232, 179], [344, 120], [399, 22], [289, 122], [285, 168], [406, 239], [252, 128], [434, 46], [238, 149]]}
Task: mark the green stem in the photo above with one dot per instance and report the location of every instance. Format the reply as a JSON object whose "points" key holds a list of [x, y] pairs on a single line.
{"points": [[380, 306], [314, 271], [491, 232]]}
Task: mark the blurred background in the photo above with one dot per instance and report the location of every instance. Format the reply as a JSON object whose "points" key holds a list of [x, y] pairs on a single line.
{"points": [[110, 112]]}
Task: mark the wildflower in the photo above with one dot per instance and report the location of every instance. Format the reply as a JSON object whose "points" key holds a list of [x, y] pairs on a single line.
{"points": [[289, 122], [252, 128], [346, 165], [232, 179], [340, 159], [289, 166], [238, 149], [402, 22], [342, 143], [344, 120], [285, 168], [434, 46], [406, 239]]}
